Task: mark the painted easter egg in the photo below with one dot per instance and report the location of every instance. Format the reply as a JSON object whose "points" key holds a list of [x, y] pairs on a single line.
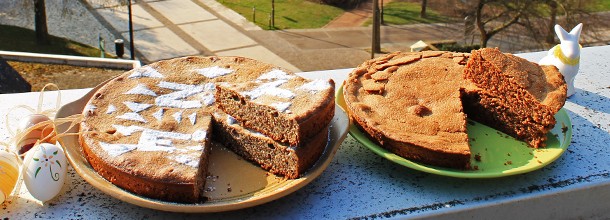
{"points": [[45, 171], [9, 173], [29, 139]]}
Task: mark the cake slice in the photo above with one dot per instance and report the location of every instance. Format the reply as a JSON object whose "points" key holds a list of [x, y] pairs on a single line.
{"points": [[515, 96], [278, 158], [274, 105]]}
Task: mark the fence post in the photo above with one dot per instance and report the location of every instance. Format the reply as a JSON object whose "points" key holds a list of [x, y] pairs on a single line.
{"points": [[101, 45]]}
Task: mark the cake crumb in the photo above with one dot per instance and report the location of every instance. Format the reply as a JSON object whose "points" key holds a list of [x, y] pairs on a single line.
{"points": [[477, 157], [564, 128]]}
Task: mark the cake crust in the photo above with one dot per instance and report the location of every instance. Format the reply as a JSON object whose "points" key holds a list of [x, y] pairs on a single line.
{"points": [[389, 98]]}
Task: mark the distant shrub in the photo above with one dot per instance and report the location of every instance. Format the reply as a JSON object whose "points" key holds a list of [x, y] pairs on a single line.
{"points": [[459, 48], [346, 4]]}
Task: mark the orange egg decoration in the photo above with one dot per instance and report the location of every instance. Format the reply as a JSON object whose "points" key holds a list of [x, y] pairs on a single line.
{"points": [[29, 139], [9, 173]]}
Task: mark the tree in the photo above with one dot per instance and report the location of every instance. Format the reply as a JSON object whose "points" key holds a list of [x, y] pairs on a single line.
{"points": [[493, 16], [40, 23], [424, 4]]}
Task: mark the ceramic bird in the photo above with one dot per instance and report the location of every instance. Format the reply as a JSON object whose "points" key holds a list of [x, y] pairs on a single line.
{"points": [[566, 55]]}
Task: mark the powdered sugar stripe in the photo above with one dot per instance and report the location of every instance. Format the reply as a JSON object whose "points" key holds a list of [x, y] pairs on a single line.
{"points": [[116, 150], [145, 71], [276, 74], [178, 116], [136, 107], [193, 118], [210, 87], [158, 114], [199, 135], [213, 72], [269, 88], [127, 130], [315, 86], [187, 160], [208, 99], [176, 99], [111, 109], [140, 89], [231, 120], [281, 106], [132, 116]]}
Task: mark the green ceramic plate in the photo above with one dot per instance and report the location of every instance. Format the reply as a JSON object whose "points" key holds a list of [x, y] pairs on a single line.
{"points": [[499, 154]]}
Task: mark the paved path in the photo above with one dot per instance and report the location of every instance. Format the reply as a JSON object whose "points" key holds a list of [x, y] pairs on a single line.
{"points": [[166, 29], [354, 17]]}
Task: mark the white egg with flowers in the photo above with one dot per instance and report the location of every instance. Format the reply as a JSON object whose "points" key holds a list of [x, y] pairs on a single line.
{"points": [[45, 171]]}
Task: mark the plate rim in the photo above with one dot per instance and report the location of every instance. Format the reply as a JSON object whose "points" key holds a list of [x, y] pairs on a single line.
{"points": [[442, 171], [93, 178]]}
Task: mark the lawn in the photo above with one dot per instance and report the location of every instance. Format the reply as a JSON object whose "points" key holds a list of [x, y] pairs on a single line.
{"points": [[601, 5], [398, 12], [24, 40], [289, 14]]}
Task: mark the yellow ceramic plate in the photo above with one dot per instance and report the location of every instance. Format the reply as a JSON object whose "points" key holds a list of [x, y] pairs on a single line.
{"points": [[234, 183], [498, 154]]}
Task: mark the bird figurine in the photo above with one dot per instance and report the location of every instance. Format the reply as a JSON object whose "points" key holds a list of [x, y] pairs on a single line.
{"points": [[566, 55]]}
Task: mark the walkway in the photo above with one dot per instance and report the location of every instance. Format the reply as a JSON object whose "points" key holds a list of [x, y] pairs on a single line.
{"points": [[172, 28], [354, 17]]}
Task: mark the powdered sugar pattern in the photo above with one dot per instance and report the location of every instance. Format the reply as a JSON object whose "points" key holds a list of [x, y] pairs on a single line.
{"points": [[111, 109], [208, 99], [127, 130], [188, 160], [231, 120], [116, 150], [269, 88], [178, 116], [136, 107], [281, 106], [275, 74], [140, 89], [159, 114], [195, 148], [315, 86], [145, 71], [154, 140], [213, 72], [89, 109], [176, 99], [132, 116], [199, 135], [193, 118]]}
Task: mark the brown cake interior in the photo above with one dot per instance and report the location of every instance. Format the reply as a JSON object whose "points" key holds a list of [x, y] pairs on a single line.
{"points": [[280, 125], [515, 96]]}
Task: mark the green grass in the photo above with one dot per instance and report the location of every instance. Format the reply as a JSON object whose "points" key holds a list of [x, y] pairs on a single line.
{"points": [[289, 14], [601, 5], [24, 40], [398, 12]]}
